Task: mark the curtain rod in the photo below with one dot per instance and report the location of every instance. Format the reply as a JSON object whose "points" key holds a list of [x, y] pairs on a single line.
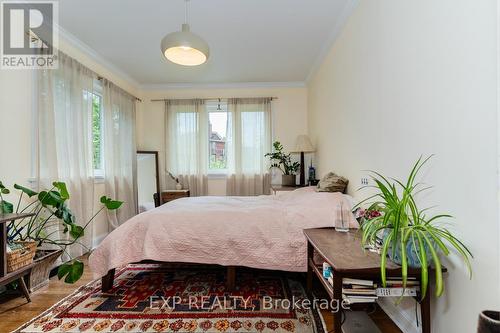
{"points": [[206, 98], [100, 78]]}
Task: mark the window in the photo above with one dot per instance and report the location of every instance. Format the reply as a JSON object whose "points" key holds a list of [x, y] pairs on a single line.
{"points": [[97, 129], [217, 135]]}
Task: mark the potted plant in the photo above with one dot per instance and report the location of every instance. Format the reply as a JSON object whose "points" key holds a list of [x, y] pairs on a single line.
{"points": [[408, 236], [283, 162], [51, 216]]}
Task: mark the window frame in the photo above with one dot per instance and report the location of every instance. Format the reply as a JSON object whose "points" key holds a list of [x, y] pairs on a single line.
{"points": [[99, 174], [216, 173]]}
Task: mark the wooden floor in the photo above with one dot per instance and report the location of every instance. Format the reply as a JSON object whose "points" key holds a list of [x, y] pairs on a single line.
{"points": [[14, 310]]}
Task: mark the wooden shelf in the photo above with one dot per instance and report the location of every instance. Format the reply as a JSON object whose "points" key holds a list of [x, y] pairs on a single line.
{"points": [[319, 274], [15, 274], [13, 216]]}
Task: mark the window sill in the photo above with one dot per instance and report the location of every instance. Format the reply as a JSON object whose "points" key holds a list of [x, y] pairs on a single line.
{"points": [[98, 180], [217, 176]]}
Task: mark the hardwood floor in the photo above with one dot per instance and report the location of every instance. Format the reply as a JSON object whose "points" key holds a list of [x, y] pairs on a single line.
{"points": [[14, 309]]}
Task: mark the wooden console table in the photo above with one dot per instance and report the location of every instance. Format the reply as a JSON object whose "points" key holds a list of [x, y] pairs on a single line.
{"points": [[343, 251]]}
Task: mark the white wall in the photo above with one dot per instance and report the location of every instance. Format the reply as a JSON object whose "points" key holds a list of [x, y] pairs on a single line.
{"points": [[290, 119], [407, 78]]}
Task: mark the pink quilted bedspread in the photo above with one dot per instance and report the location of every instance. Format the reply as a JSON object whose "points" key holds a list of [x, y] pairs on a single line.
{"points": [[260, 232]]}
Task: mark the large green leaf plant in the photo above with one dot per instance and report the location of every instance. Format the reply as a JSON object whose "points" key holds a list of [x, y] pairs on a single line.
{"points": [[51, 214], [407, 232], [282, 161]]}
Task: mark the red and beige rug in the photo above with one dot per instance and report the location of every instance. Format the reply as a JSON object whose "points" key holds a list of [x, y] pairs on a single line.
{"points": [[155, 298]]}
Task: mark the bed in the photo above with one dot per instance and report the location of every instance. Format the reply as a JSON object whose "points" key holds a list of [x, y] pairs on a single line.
{"points": [[263, 232]]}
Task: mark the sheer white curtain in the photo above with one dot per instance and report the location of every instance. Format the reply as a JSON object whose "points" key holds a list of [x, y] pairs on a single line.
{"points": [[248, 139], [187, 143], [64, 137], [120, 161]]}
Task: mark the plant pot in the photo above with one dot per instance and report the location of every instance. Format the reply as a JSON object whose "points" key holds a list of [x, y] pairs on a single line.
{"points": [[411, 255], [288, 180], [489, 322], [42, 265]]}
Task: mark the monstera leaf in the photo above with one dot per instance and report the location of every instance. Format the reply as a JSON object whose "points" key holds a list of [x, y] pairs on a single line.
{"points": [[73, 271], [27, 191], [110, 203], [76, 231], [51, 198], [63, 190], [6, 207]]}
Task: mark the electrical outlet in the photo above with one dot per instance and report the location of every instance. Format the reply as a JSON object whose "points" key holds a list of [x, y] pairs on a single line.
{"points": [[364, 181]]}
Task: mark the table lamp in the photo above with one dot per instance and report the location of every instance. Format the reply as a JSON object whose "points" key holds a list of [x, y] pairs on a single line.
{"points": [[303, 145]]}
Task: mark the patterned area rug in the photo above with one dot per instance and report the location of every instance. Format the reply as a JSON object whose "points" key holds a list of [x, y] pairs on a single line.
{"points": [[155, 298]]}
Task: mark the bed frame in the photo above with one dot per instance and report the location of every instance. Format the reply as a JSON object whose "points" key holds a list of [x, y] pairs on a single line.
{"points": [[108, 279]]}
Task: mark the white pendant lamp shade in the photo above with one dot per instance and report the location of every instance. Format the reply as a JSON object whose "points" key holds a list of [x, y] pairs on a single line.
{"points": [[184, 47]]}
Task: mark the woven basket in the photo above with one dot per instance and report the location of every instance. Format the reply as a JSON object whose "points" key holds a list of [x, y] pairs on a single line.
{"points": [[21, 257]]}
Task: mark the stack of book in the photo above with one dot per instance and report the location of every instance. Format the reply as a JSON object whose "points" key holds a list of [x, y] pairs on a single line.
{"points": [[366, 291], [359, 291], [394, 287]]}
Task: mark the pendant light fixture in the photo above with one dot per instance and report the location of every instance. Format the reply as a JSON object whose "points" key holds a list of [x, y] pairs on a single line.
{"points": [[184, 47]]}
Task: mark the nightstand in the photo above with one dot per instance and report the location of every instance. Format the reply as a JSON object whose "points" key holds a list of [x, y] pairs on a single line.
{"points": [[284, 188], [170, 195]]}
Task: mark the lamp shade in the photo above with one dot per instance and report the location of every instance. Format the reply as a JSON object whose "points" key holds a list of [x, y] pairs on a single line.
{"points": [[303, 144], [185, 48]]}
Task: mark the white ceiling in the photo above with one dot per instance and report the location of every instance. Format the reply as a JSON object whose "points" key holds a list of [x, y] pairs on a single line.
{"points": [[250, 40]]}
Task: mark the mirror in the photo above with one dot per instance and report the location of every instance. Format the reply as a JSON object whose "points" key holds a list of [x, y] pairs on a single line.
{"points": [[148, 179]]}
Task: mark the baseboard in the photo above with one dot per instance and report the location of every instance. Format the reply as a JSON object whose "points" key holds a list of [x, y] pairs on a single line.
{"points": [[403, 317]]}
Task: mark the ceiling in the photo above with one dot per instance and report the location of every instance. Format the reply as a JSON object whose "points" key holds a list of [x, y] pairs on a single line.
{"points": [[250, 40]]}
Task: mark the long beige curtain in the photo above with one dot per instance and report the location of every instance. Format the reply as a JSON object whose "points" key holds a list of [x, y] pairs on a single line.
{"points": [[64, 149], [187, 143], [248, 139], [120, 161]]}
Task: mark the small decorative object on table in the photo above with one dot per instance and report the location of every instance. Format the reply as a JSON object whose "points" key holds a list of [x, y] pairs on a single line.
{"points": [[312, 181], [341, 220], [282, 161], [178, 185], [327, 270], [303, 145]]}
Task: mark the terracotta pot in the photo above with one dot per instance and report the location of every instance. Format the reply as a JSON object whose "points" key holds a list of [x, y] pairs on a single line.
{"points": [[42, 265], [489, 322], [288, 180]]}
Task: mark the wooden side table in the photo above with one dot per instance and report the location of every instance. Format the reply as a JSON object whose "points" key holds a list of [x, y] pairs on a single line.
{"points": [[284, 188], [170, 195], [343, 251]]}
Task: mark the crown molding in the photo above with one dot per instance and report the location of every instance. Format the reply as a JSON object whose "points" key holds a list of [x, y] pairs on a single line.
{"points": [[348, 9], [235, 85], [94, 55]]}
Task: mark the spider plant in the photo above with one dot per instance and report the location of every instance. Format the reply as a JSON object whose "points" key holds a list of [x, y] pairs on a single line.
{"points": [[409, 236]]}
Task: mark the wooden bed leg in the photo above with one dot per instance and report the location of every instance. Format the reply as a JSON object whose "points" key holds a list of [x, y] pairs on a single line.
{"points": [[231, 278], [107, 281]]}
